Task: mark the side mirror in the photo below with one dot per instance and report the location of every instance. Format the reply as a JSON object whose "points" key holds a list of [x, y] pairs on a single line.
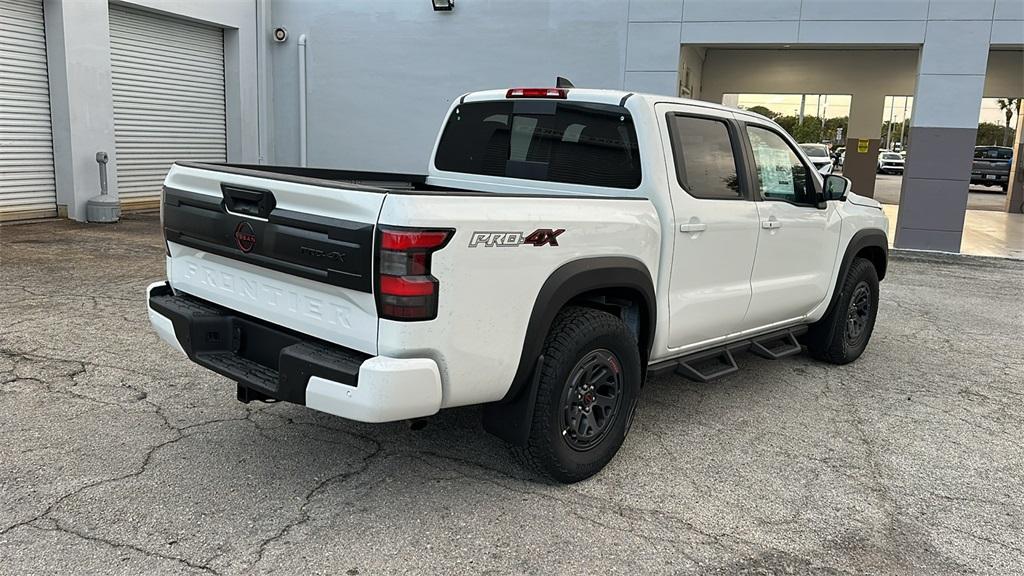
{"points": [[836, 187]]}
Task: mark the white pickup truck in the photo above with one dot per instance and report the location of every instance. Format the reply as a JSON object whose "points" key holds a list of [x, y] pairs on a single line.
{"points": [[563, 244]]}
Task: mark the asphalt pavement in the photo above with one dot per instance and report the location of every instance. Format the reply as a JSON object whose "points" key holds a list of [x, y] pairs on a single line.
{"points": [[117, 456]]}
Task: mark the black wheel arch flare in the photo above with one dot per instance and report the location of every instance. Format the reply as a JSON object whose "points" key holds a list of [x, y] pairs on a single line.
{"points": [[872, 239], [510, 417]]}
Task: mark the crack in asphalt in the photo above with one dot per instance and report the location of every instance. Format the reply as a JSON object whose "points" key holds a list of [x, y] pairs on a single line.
{"points": [[126, 546], [303, 511]]}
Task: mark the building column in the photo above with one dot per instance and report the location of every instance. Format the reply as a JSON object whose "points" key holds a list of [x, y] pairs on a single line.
{"points": [[81, 100], [943, 130], [861, 164], [1015, 190]]}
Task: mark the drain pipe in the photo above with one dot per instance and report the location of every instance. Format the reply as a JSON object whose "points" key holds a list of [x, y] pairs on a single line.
{"points": [[302, 100]]}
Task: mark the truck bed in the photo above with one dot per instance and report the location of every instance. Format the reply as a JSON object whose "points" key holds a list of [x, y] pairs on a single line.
{"points": [[381, 182], [347, 179]]}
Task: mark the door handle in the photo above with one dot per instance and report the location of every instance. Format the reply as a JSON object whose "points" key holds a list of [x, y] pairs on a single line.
{"points": [[693, 227], [771, 223]]}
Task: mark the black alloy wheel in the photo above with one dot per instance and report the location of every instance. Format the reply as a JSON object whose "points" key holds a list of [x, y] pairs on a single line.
{"points": [[592, 399]]}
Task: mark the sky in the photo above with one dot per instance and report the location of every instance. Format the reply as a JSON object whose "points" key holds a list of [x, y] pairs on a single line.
{"points": [[836, 105]]}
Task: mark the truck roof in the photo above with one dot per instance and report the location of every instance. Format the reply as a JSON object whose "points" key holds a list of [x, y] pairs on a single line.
{"points": [[611, 97]]}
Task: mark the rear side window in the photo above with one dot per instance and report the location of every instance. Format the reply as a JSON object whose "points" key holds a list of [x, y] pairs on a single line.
{"points": [[705, 163], [994, 153], [555, 141]]}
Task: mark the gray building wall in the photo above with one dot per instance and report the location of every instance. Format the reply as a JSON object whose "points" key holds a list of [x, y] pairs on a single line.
{"points": [[381, 75], [81, 101]]}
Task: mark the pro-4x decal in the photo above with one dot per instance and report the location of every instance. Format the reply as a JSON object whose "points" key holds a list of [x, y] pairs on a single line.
{"points": [[539, 237]]}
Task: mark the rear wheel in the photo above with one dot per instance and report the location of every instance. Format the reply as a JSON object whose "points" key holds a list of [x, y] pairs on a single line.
{"points": [[588, 388], [842, 335]]}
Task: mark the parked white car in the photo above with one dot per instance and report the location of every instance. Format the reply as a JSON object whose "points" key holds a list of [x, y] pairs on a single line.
{"points": [[563, 244], [819, 155], [890, 163]]}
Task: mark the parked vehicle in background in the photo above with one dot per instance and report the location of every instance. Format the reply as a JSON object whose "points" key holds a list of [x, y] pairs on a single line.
{"points": [[819, 156], [992, 166], [562, 244], [890, 163]]}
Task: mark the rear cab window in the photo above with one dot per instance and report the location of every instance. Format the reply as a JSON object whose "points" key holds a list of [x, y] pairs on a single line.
{"points": [[547, 140], [994, 153]]}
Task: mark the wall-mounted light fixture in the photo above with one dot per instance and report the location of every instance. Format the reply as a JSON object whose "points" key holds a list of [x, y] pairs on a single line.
{"points": [[443, 5]]}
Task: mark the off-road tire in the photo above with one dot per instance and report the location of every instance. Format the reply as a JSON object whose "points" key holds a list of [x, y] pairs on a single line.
{"points": [[833, 338], [579, 334]]}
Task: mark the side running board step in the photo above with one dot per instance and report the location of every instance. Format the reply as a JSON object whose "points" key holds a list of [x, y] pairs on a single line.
{"points": [[706, 366], [709, 365], [776, 345]]}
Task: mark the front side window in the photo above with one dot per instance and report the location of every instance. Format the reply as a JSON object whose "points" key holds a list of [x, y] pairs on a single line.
{"points": [[780, 173], [705, 163], [556, 141]]}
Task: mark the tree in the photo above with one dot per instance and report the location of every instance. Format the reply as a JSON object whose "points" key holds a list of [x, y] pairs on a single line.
{"points": [[788, 123], [990, 134], [899, 133], [1009, 106], [832, 126], [808, 131], [763, 111]]}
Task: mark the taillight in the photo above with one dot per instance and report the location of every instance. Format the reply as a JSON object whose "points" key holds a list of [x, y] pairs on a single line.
{"points": [[163, 231], [561, 93], [405, 289]]}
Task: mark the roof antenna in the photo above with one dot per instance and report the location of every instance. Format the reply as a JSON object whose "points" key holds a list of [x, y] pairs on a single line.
{"points": [[563, 82]]}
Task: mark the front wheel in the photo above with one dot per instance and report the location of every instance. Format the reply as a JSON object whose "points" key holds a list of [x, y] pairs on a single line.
{"points": [[588, 388], [842, 335]]}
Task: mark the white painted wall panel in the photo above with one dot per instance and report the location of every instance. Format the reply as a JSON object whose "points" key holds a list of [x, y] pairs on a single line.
{"points": [[750, 32], [655, 10], [863, 32], [961, 10], [168, 89], [27, 185], [956, 47], [652, 46], [740, 10], [869, 9]]}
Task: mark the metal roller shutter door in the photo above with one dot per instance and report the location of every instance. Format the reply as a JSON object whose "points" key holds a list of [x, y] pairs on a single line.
{"points": [[168, 87], [27, 186]]}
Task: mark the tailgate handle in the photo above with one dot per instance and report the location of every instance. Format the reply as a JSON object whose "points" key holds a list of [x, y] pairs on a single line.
{"points": [[248, 201]]}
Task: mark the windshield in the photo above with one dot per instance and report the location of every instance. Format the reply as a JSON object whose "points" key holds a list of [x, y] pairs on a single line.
{"points": [[815, 150], [891, 156], [555, 141]]}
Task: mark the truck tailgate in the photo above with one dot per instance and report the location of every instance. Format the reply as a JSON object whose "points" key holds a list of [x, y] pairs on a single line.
{"points": [[295, 254]]}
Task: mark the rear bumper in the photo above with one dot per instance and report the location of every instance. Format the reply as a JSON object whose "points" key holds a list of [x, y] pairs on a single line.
{"points": [[277, 363], [989, 178]]}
